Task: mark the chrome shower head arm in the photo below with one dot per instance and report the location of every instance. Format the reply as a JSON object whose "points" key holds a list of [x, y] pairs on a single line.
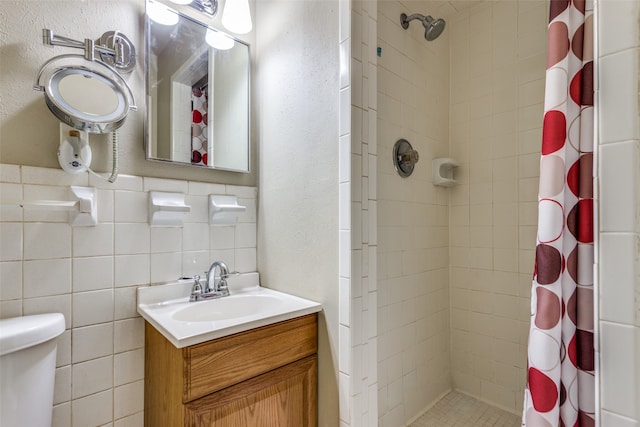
{"points": [[433, 27], [404, 19]]}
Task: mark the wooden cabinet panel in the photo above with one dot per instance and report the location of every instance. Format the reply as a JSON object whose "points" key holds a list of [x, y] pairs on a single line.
{"points": [[284, 397], [263, 377], [163, 380], [217, 364]]}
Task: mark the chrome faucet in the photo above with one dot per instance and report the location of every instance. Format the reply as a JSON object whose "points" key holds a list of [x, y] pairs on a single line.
{"points": [[212, 288], [221, 284]]}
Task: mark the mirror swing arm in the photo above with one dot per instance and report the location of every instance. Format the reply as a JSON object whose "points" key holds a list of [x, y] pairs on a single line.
{"points": [[113, 53], [113, 47]]}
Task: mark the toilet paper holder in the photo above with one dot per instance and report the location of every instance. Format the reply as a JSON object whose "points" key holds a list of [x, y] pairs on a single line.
{"points": [[443, 168]]}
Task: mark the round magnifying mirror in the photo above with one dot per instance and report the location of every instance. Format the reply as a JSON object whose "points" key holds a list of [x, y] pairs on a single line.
{"points": [[86, 99]]}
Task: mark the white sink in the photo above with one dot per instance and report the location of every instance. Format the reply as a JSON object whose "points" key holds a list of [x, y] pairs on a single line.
{"points": [[249, 306], [240, 305]]}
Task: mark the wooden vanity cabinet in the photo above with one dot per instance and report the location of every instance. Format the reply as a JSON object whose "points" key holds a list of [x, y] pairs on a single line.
{"points": [[263, 377]]}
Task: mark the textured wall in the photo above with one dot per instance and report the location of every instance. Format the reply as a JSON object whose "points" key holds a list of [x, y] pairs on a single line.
{"points": [[29, 132], [298, 73]]}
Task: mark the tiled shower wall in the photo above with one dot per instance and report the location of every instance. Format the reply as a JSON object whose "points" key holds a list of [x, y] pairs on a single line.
{"points": [[619, 211], [358, 154], [90, 274], [498, 59], [413, 216]]}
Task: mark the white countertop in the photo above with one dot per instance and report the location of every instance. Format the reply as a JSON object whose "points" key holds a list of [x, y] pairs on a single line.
{"points": [[249, 306]]}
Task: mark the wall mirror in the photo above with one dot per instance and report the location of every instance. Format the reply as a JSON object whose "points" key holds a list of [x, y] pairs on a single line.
{"points": [[197, 93]]}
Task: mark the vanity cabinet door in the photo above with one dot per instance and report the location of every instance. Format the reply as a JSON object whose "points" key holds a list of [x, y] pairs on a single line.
{"points": [[284, 397]]}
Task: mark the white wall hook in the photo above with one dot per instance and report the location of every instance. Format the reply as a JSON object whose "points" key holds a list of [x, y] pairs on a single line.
{"points": [[224, 210], [167, 209], [86, 213]]}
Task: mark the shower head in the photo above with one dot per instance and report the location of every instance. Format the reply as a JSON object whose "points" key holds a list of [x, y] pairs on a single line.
{"points": [[432, 27]]}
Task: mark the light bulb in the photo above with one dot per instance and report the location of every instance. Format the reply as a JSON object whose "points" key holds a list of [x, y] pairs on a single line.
{"points": [[236, 16], [219, 40], [161, 14]]}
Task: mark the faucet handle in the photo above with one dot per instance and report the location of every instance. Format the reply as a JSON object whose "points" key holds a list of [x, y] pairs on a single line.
{"points": [[229, 274], [223, 285], [196, 290]]}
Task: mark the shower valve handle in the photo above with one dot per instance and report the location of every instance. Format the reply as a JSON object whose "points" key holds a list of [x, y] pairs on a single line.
{"points": [[409, 157]]}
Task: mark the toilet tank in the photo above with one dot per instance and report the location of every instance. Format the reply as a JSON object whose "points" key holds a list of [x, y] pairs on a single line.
{"points": [[27, 368]]}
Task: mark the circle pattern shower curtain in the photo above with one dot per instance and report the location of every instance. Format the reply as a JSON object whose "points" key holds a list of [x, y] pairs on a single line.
{"points": [[560, 378]]}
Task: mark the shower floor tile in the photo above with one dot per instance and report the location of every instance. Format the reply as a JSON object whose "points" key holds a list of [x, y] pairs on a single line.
{"points": [[459, 410]]}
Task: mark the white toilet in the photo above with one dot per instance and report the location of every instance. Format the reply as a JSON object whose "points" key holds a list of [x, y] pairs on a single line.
{"points": [[27, 369]]}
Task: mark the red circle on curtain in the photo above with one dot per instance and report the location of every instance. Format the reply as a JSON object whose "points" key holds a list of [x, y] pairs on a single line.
{"points": [[548, 264], [556, 7], [573, 178], [548, 309], [195, 157], [572, 351], [585, 218], [197, 116], [205, 159], [577, 42], [575, 88], [544, 392], [554, 131], [558, 43], [587, 84]]}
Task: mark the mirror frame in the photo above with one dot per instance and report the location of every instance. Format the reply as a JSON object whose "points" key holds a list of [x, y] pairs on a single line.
{"points": [[147, 63]]}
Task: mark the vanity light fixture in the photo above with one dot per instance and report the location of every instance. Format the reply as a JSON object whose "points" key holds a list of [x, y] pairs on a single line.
{"points": [[210, 7], [218, 40], [236, 16], [162, 14]]}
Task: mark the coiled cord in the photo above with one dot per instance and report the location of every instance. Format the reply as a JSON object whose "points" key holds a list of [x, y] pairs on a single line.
{"points": [[114, 160]]}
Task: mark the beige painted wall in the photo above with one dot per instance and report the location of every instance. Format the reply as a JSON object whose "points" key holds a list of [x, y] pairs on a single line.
{"points": [[298, 67], [29, 132]]}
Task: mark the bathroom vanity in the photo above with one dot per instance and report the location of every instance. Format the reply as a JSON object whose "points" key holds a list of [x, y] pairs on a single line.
{"points": [[248, 359], [265, 376]]}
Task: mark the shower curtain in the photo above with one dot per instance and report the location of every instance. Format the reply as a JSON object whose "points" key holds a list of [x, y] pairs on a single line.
{"points": [[560, 377]]}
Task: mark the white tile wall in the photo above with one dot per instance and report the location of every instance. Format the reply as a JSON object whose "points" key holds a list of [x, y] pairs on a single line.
{"points": [[90, 274], [411, 216], [620, 370], [357, 195], [497, 79], [610, 419], [618, 103], [619, 211]]}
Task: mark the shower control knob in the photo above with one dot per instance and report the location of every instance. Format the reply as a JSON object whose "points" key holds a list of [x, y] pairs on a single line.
{"points": [[410, 157], [404, 157]]}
